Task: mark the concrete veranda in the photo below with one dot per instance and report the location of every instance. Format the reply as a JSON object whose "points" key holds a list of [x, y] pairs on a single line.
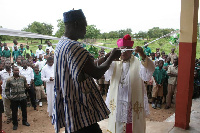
{"points": [[168, 125]]}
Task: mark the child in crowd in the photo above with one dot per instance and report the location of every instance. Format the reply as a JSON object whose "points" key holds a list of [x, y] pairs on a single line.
{"points": [[168, 62], [163, 55], [157, 92], [15, 53], [165, 84], [39, 51], [32, 54], [21, 50], [40, 63], [47, 52], [39, 88], [6, 52]]}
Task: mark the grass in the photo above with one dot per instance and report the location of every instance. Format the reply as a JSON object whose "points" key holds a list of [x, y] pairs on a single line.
{"points": [[163, 44]]}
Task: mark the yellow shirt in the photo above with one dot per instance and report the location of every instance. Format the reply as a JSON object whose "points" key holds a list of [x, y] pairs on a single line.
{"points": [[0, 96]]}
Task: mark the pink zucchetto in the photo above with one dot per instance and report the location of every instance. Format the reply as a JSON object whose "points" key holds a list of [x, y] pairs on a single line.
{"points": [[125, 41]]}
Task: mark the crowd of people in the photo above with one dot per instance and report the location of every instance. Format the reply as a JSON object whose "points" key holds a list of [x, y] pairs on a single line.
{"points": [[130, 80], [26, 76]]}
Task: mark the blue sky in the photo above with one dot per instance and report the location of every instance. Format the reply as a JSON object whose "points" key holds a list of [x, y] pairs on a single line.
{"points": [[107, 15]]}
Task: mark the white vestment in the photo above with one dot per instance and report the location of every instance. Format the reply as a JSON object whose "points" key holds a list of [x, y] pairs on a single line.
{"points": [[47, 72], [126, 98]]}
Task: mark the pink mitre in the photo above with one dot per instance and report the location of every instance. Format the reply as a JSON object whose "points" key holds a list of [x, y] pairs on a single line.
{"points": [[125, 41]]}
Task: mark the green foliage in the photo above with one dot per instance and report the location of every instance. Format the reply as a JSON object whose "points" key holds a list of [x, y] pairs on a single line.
{"points": [[40, 28], [124, 32], [61, 28], [93, 50], [156, 32], [92, 32]]}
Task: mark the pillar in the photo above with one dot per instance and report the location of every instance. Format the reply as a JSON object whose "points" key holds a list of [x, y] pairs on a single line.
{"points": [[186, 63]]}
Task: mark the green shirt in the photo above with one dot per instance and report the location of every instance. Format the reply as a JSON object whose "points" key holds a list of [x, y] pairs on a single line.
{"points": [[167, 64], [15, 54], [22, 50], [26, 51], [37, 79], [147, 51], [6, 53], [159, 75], [136, 54], [1, 53]]}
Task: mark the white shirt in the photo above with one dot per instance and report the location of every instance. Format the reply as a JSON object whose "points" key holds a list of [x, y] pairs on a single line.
{"points": [[20, 67], [28, 73], [50, 48], [41, 64], [3, 48], [38, 52], [4, 76], [13, 49], [47, 72]]}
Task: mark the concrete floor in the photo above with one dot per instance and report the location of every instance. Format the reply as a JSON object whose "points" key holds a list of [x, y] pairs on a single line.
{"points": [[168, 125]]}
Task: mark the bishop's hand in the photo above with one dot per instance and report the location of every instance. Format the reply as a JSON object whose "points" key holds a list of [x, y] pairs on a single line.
{"points": [[140, 50]]}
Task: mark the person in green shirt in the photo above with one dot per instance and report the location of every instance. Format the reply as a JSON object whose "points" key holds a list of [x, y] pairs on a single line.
{"points": [[39, 88], [15, 53], [165, 84], [168, 60], [1, 46], [147, 50], [6, 52], [136, 54], [21, 49], [26, 51], [157, 92]]}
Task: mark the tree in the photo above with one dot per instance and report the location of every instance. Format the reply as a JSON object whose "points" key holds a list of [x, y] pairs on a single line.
{"points": [[155, 32], [141, 34], [61, 28], [92, 32], [124, 32], [104, 35], [113, 34], [40, 28]]}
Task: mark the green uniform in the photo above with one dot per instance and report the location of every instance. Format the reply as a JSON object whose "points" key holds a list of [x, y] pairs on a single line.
{"points": [[26, 51], [147, 51], [167, 64], [136, 54], [6, 53], [1, 53], [159, 75], [37, 79], [22, 50], [15, 54]]}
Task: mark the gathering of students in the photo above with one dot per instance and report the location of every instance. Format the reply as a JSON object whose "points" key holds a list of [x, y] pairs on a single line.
{"points": [[25, 78], [74, 97]]}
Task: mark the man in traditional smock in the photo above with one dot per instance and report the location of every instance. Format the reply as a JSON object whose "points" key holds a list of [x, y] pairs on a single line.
{"points": [[78, 102], [127, 98]]}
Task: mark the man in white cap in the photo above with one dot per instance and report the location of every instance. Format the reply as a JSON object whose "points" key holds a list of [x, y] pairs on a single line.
{"points": [[78, 102]]}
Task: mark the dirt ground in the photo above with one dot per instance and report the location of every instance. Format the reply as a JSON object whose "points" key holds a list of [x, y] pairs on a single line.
{"points": [[40, 122]]}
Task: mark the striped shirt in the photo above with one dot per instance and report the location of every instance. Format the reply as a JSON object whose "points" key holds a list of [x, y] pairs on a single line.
{"points": [[78, 102]]}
